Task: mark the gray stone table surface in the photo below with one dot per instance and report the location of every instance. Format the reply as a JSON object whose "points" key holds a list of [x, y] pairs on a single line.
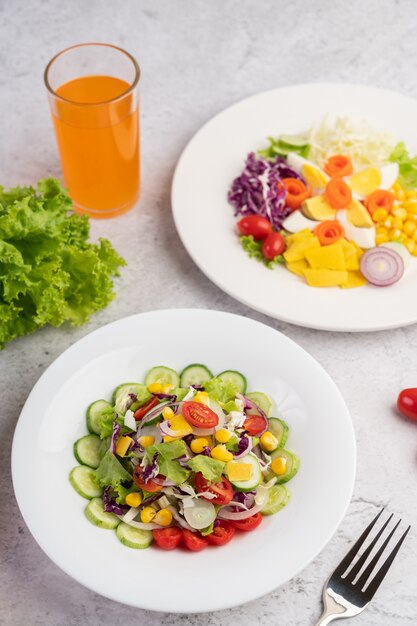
{"points": [[198, 57]]}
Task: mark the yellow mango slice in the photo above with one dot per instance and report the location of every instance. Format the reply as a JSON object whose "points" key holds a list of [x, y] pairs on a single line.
{"points": [[328, 257], [325, 278], [317, 208], [239, 471], [355, 279], [299, 236], [352, 254], [296, 251], [297, 267]]}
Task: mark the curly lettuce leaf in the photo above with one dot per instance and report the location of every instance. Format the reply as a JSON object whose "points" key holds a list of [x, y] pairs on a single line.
{"points": [[210, 468], [110, 472], [407, 166], [254, 250], [221, 390], [168, 453]]}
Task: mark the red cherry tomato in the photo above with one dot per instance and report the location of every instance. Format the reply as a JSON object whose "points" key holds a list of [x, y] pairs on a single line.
{"points": [[255, 425], [223, 490], [222, 534], [194, 541], [273, 246], [407, 403], [256, 225], [141, 411], [139, 482], [199, 415], [167, 538], [250, 523]]}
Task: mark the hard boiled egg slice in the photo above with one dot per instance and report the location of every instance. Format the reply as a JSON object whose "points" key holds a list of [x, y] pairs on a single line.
{"points": [[367, 181], [363, 237], [297, 221], [312, 174]]}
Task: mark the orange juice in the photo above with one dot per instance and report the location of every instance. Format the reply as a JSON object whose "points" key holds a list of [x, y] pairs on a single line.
{"points": [[97, 130]]}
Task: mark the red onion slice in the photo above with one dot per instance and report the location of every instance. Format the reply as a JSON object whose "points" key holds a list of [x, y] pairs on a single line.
{"points": [[382, 266]]}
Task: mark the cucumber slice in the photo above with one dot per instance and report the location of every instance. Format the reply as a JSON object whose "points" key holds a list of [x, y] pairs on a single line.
{"points": [[278, 497], [94, 412], [293, 463], [195, 374], [263, 401], [279, 429], [294, 141], [255, 479], [142, 394], [234, 377], [134, 537], [83, 479], [163, 375], [87, 450], [95, 514]]}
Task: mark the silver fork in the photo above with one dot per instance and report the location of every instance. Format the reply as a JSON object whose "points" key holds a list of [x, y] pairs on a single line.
{"points": [[343, 596]]}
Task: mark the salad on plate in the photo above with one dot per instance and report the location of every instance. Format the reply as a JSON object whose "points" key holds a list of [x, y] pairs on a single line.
{"points": [[183, 459], [336, 206]]}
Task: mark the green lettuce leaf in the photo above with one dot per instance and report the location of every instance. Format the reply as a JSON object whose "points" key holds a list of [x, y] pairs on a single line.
{"points": [[207, 530], [254, 250], [167, 455], [221, 390], [124, 491], [407, 166], [210, 468], [49, 272], [110, 472]]}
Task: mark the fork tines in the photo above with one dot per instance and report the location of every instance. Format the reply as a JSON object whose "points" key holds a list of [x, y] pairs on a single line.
{"points": [[349, 575]]}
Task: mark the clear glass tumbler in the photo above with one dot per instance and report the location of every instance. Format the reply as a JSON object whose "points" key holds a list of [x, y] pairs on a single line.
{"points": [[94, 99]]}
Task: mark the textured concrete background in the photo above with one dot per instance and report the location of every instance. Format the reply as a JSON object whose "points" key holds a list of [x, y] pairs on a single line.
{"points": [[198, 57]]}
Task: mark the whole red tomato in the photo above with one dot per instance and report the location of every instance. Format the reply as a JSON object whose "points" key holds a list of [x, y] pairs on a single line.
{"points": [[407, 403], [256, 225], [273, 246]]}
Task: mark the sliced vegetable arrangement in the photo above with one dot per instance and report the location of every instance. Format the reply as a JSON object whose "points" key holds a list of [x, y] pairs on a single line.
{"points": [[183, 459], [337, 206]]}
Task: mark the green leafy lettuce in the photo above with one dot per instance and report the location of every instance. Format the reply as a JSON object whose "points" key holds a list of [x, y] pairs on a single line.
{"points": [[210, 468], [167, 455], [49, 273], [407, 165], [110, 472], [254, 250], [124, 491], [221, 390], [207, 530]]}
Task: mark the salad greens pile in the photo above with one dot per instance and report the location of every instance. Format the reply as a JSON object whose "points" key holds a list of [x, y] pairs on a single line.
{"points": [[407, 165], [49, 273]]}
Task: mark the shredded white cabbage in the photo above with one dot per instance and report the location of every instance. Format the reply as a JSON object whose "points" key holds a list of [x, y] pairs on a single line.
{"points": [[357, 139]]}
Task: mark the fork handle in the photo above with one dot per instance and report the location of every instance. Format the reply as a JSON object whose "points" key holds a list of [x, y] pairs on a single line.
{"points": [[326, 618]]}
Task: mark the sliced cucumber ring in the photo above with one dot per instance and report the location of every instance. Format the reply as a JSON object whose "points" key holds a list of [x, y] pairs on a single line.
{"points": [[94, 413], [278, 497], [95, 514], [256, 477], [263, 401], [293, 463], [142, 394], [163, 375], [195, 374], [83, 479], [234, 377], [279, 429], [87, 450], [134, 537]]}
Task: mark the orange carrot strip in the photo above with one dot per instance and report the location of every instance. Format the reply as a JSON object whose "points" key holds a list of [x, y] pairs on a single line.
{"points": [[338, 193], [329, 231], [296, 192], [379, 199], [338, 165]]}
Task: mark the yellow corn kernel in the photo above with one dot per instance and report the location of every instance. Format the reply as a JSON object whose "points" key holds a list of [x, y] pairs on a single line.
{"points": [[155, 388], [411, 206], [147, 514], [394, 233], [411, 193], [381, 239], [167, 388], [221, 454], [415, 236], [279, 465], [410, 244], [268, 442], [380, 215], [163, 517], [414, 252], [388, 222], [400, 195], [202, 397], [397, 223], [400, 212], [123, 445], [381, 230], [198, 445], [167, 413], [409, 227], [133, 499], [396, 186], [222, 435], [146, 440]]}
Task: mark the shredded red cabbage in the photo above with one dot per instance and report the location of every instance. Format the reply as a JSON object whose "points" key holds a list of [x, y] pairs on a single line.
{"points": [[206, 451], [110, 505], [259, 189], [115, 434], [151, 470], [167, 396], [242, 445]]}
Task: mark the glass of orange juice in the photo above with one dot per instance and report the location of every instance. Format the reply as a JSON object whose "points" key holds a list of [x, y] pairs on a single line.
{"points": [[94, 100]]}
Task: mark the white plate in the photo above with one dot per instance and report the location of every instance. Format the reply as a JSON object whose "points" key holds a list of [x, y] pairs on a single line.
{"points": [[253, 563], [205, 222]]}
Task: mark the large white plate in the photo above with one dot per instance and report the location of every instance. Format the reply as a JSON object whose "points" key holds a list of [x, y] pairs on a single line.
{"points": [[253, 563], [206, 225]]}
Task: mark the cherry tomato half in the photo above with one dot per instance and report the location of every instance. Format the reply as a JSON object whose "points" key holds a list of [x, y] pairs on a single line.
{"points": [[194, 541], [407, 403], [223, 490], [250, 523], [256, 225], [167, 538], [139, 482], [141, 411], [255, 425], [273, 246], [199, 415], [222, 534]]}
